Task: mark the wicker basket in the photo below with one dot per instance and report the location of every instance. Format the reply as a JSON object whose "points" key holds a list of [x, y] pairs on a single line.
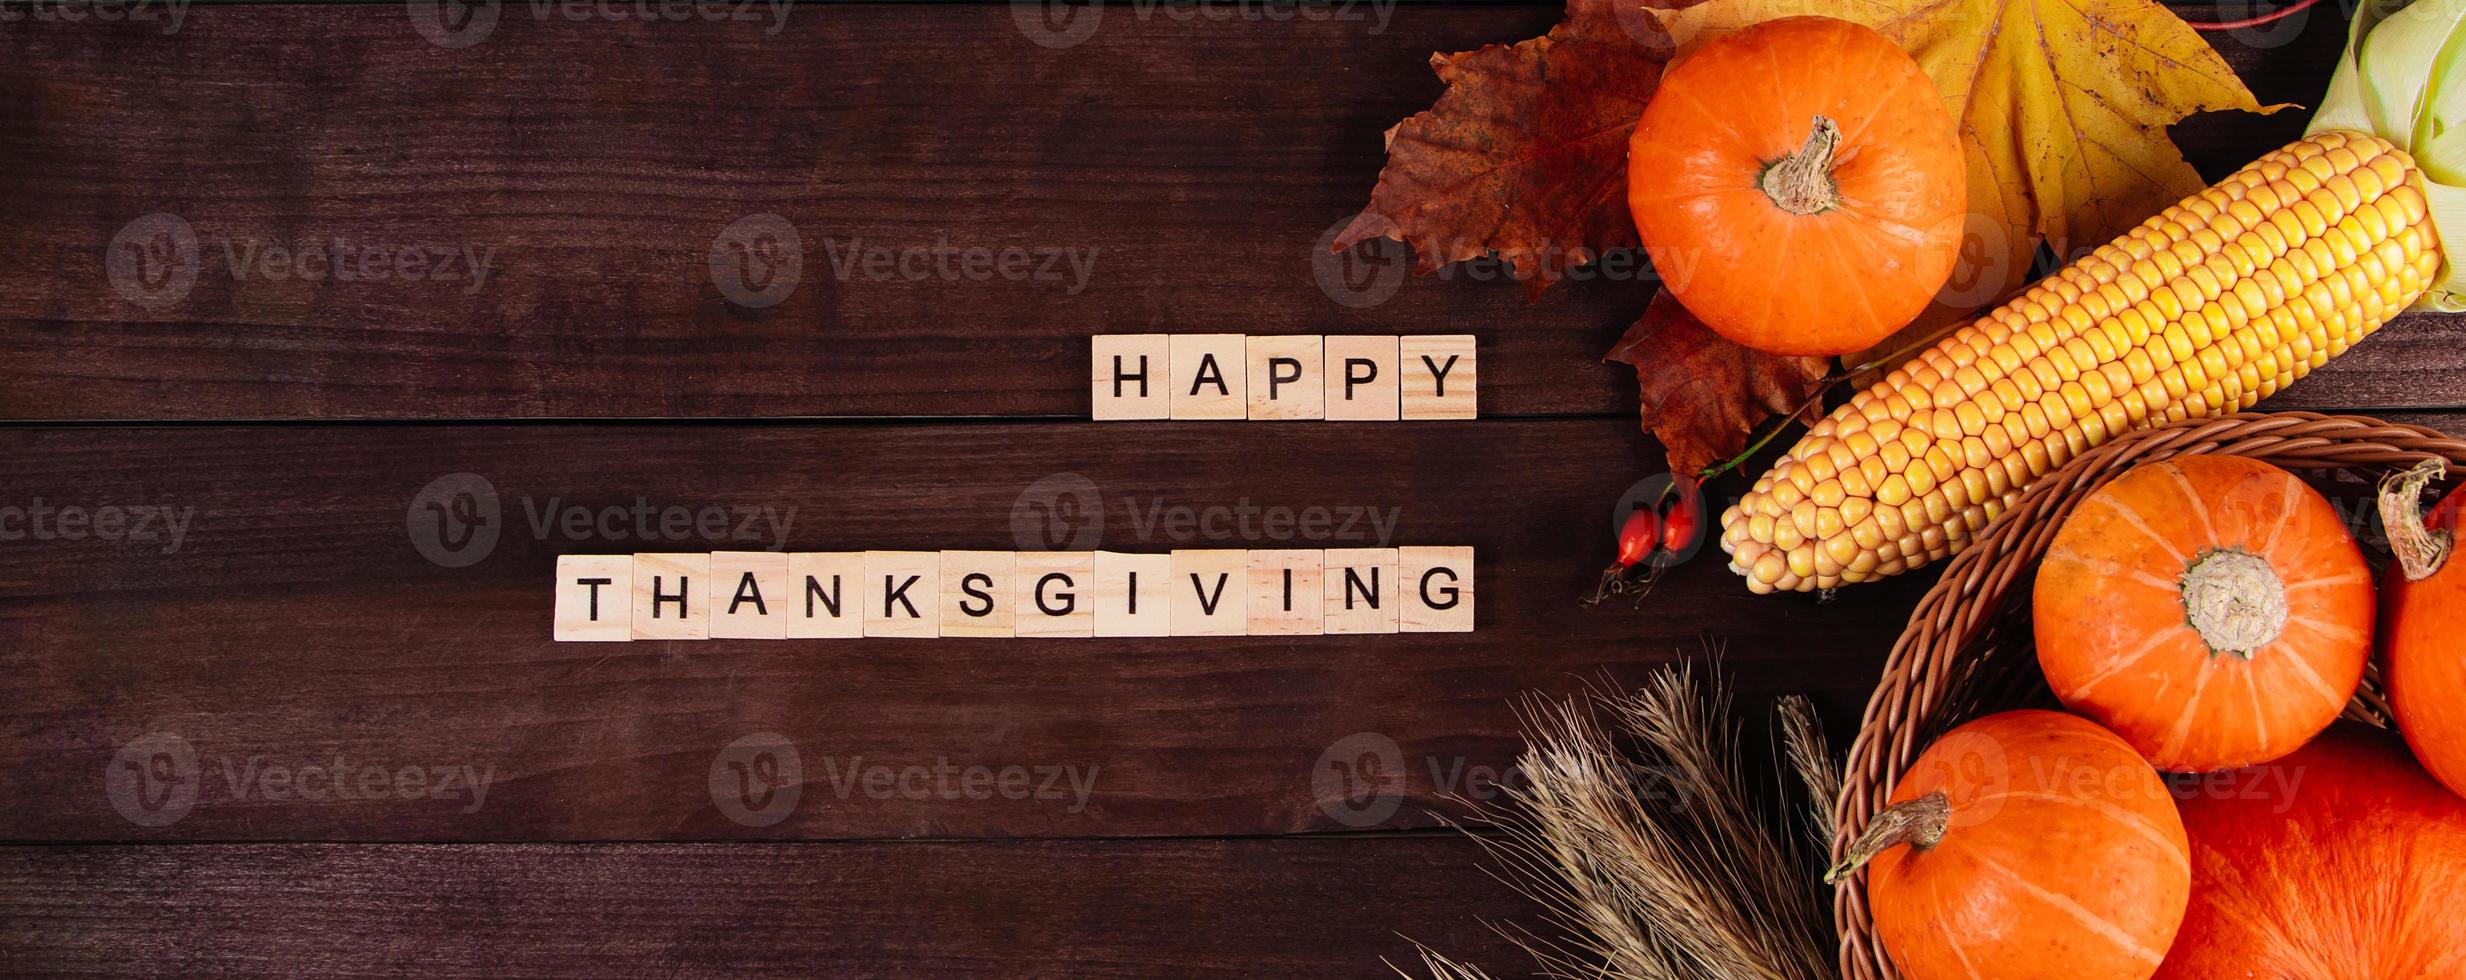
{"points": [[1966, 651]]}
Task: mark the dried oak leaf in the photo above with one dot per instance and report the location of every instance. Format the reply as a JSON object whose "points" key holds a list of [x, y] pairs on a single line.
{"points": [[2063, 107], [1703, 394], [1525, 155]]}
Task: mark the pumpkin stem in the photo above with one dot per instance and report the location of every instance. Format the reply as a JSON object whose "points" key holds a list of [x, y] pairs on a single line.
{"points": [[1801, 183], [1918, 823], [2420, 549], [2234, 600]]}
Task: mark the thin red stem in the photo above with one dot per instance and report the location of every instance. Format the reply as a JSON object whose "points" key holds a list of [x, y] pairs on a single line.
{"points": [[2235, 25]]}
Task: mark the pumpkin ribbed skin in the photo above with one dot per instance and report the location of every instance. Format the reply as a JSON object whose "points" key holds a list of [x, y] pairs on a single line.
{"points": [[2211, 610], [1881, 223], [2064, 858], [2343, 861], [2422, 624]]}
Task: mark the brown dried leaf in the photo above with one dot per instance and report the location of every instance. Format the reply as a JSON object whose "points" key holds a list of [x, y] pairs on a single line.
{"points": [[1525, 155], [1702, 394]]}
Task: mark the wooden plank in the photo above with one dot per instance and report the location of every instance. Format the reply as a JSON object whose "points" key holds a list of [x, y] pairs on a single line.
{"points": [[605, 170], [1324, 907], [300, 623]]}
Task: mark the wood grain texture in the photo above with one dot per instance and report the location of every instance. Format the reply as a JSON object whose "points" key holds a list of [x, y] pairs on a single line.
{"points": [[1328, 907], [599, 166], [300, 622]]}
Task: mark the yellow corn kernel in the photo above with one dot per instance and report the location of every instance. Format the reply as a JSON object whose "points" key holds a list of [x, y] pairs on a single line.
{"points": [[2203, 309]]}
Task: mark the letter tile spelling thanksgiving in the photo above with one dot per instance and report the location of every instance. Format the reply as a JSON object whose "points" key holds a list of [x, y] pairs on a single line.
{"points": [[1004, 594]]}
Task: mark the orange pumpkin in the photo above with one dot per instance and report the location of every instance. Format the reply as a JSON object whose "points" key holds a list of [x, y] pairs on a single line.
{"points": [[2423, 617], [2212, 610], [1800, 185], [2341, 860], [2026, 844]]}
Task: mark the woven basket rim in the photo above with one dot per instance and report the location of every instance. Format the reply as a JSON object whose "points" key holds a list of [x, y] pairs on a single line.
{"points": [[1963, 627]]}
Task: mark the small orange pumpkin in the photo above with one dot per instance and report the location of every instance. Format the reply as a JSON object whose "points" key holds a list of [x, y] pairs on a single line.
{"points": [[1800, 185], [2212, 610], [2029, 844], [2422, 621]]}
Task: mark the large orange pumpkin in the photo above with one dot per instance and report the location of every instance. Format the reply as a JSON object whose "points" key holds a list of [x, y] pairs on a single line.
{"points": [[2343, 860], [1800, 185], [2212, 610], [2026, 844], [2423, 627]]}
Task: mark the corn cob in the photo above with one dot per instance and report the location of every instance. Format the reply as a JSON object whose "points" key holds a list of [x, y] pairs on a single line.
{"points": [[2204, 309]]}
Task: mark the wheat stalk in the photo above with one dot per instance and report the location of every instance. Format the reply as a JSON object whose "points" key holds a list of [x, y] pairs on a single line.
{"points": [[1656, 864]]}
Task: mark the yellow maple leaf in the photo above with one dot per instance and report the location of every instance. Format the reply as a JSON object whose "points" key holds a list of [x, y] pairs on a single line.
{"points": [[2063, 106]]}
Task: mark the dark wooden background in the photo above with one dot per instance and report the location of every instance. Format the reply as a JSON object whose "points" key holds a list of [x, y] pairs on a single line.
{"points": [[310, 617]]}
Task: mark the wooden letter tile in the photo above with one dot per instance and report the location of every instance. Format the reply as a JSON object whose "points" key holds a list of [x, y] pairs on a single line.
{"points": [[1285, 378], [595, 598], [1286, 597], [1361, 379], [1209, 372], [1130, 377], [903, 593], [826, 595], [1438, 590], [749, 595], [1361, 590], [979, 592], [670, 597], [1133, 595], [1440, 374], [1055, 594], [1209, 587]]}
